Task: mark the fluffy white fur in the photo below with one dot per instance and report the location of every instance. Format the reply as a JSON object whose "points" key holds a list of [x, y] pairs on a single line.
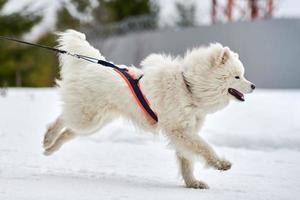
{"points": [[182, 91]]}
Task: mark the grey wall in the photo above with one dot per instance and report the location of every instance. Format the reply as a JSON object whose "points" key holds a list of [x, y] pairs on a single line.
{"points": [[269, 49]]}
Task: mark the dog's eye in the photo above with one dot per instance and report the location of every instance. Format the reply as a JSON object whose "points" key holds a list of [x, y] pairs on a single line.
{"points": [[237, 77]]}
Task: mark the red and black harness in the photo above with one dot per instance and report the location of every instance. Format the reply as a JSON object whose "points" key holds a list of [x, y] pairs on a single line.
{"points": [[131, 81], [134, 86]]}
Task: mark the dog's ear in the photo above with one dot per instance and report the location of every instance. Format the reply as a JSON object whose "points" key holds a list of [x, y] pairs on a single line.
{"points": [[220, 54], [225, 55]]}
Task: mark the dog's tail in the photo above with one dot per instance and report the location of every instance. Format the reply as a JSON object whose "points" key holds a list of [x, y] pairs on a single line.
{"points": [[75, 42]]}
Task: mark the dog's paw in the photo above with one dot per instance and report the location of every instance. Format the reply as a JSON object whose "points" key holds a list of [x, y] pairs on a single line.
{"points": [[49, 151], [47, 143], [197, 185], [48, 140], [223, 165]]}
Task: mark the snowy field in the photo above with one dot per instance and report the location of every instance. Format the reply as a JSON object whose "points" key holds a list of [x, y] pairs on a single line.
{"points": [[261, 137]]}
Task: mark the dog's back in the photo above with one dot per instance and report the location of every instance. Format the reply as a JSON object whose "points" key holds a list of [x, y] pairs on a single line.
{"points": [[74, 42]]}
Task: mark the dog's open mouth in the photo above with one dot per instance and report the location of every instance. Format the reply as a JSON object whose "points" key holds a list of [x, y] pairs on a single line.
{"points": [[238, 95]]}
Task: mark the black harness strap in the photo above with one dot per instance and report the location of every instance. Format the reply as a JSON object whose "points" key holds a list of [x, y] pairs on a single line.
{"points": [[134, 86], [132, 82]]}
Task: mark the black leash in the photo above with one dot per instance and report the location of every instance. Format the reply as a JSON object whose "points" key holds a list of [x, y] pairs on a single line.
{"points": [[31, 44], [132, 83]]}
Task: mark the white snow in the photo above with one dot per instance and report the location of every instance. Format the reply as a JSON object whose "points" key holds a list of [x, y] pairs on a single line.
{"points": [[260, 137]]}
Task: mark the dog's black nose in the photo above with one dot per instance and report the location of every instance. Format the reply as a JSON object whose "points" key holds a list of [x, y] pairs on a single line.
{"points": [[252, 86]]}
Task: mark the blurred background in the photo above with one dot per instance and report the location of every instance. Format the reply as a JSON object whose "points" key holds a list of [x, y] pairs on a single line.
{"points": [[264, 32]]}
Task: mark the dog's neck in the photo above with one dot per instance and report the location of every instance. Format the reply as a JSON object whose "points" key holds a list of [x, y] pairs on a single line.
{"points": [[186, 83]]}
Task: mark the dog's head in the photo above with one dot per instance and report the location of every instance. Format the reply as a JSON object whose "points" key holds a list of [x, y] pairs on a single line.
{"points": [[216, 75]]}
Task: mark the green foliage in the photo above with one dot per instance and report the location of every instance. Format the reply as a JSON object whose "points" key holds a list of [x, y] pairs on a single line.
{"points": [[66, 20], [28, 66], [114, 17], [2, 3], [40, 67], [81, 5], [110, 11], [186, 15], [12, 55], [16, 24]]}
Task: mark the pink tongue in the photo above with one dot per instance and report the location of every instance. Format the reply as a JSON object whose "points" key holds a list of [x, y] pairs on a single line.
{"points": [[242, 97], [237, 94]]}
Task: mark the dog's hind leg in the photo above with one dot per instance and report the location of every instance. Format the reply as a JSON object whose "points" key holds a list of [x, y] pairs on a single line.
{"points": [[53, 132], [187, 171], [61, 132], [65, 136]]}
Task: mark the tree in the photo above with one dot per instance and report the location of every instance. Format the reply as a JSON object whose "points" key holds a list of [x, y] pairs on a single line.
{"points": [[186, 15], [22, 65], [121, 16], [15, 24], [118, 10], [66, 20]]}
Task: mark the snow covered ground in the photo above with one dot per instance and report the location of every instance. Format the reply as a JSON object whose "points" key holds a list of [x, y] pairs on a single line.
{"points": [[261, 137]]}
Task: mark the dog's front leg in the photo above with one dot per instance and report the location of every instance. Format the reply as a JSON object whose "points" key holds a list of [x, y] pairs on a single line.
{"points": [[195, 145], [186, 167]]}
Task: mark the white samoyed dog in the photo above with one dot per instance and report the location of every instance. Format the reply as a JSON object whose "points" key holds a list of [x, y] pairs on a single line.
{"points": [[182, 91]]}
